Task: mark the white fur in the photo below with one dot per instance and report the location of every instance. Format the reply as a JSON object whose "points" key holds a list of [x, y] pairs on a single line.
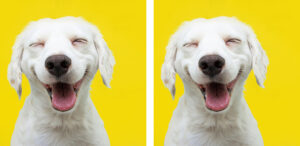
{"points": [[39, 124], [192, 123]]}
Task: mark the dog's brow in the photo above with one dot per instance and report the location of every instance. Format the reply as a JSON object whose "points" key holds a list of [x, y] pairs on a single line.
{"points": [[73, 37], [230, 36]]}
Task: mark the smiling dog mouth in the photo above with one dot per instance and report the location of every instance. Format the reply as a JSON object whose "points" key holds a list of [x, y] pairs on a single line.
{"points": [[216, 95], [63, 95]]}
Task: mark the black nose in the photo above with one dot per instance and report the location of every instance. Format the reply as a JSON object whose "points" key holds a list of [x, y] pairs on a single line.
{"points": [[58, 65], [211, 65]]}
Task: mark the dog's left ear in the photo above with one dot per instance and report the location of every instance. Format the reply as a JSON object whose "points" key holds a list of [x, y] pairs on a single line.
{"points": [[14, 72], [106, 59], [259, 58]]}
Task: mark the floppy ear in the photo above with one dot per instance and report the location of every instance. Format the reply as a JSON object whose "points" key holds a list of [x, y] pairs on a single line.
{"points": [[106, 59], [14, 73], [259, 58], [168, 68]]}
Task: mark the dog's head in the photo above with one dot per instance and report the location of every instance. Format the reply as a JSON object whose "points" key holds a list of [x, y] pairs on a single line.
{"points": [[213, 57], [60, 57]]}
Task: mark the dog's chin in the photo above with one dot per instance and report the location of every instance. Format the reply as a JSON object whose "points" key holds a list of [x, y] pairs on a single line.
{"points": [[63, 96]]}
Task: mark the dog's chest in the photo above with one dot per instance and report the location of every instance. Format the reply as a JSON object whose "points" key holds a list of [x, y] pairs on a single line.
{"points": [[65, 137], [191, 132], [213, 137], [42, 131]]}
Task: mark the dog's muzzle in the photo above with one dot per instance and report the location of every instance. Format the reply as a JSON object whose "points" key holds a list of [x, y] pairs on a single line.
{"points": [[63, 95]]}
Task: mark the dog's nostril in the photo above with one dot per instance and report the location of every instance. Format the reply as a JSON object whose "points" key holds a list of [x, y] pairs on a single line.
{"points": [[49, 65], [203, 65], [219, 64], [65, 64]]}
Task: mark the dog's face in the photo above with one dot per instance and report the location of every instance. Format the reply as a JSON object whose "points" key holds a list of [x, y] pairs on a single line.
{"points": [[60, 57], [212, 56]]}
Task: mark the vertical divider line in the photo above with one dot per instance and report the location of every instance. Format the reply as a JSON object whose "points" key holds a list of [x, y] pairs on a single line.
{"points": [[150, 72]]}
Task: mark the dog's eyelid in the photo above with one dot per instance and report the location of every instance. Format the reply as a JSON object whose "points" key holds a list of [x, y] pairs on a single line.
{"points": [[35, 44], [79, 40], [232, 41], [191, 44]]}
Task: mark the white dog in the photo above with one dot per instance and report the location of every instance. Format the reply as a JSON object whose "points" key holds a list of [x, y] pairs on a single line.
{"points": [[59, 57], [213, 57]]}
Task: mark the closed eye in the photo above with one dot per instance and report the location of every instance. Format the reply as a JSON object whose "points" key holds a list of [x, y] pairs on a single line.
{"points": [[232, 41], [79, 41], [37, 44], [191, 44]]}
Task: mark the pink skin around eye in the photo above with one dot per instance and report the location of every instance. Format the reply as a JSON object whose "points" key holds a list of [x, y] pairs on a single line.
{"points": [[231, 42], [194, 44]]}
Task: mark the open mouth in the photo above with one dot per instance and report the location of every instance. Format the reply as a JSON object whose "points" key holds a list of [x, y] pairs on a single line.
{"points": [[217, 95], [63, 95]]}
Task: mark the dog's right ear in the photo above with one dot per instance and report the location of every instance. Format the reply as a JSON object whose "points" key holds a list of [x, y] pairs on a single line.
{"points": [[168, 68], [14, 72]]}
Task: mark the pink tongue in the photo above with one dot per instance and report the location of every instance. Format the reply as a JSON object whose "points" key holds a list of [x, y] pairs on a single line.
{"points": [[63, 96], [217, 96]]}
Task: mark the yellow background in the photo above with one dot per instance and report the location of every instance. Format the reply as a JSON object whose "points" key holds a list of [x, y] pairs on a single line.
{"points": [[277, 25], [123, 25]]}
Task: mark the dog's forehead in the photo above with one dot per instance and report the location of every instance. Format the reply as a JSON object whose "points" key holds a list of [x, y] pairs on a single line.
{"points": [[46, 27], [213, 27]]}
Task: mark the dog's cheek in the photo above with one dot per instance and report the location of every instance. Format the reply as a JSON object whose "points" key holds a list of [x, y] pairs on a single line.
{"points": [[243, 57], [195, 74], [93, 63], [246, 61], [190, 71], [25, 66], [90, 61], [231, 70]]}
